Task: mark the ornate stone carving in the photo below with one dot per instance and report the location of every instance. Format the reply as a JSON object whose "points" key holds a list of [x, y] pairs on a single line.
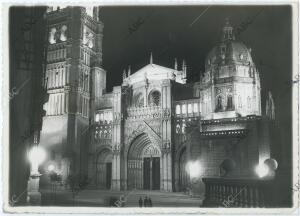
{"points": [[166, 113], [144, 112], [116, 148], [166, 147]]}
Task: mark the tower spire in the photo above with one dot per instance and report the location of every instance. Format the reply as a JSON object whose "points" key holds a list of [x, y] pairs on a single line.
{"points": [[129, 70], [151, 58], [184, 68], [175, 64], [124, 74], [96, 13]]}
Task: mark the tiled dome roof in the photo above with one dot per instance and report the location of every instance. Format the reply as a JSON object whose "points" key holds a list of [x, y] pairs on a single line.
{"points": [[229, 51]]}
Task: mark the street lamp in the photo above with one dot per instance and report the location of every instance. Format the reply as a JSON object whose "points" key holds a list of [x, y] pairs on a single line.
{"points": [[36, 156], [194, 169], [51, 168], [262, 170], [267, 168]]}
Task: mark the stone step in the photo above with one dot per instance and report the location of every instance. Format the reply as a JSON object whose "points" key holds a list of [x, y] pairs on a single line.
{"points": [[103, 198]]}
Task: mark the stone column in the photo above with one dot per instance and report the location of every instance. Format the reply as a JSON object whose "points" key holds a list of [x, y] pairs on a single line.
{"points": [[33, 193], [116, 168], [117, 137], [166, 136]]}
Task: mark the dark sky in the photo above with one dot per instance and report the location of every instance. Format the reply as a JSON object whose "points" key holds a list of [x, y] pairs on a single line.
{"points": [[168, 33], [190, 32]]}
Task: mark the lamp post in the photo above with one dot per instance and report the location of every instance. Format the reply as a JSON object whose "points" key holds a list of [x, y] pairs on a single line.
{"points": [[36, 156]]}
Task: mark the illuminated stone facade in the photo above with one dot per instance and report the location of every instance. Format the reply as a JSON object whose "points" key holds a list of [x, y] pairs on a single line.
{"points": [[73, 60], [148, 131]]}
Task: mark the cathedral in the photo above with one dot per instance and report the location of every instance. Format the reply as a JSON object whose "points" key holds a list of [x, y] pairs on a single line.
{"points": [[154, 131]]}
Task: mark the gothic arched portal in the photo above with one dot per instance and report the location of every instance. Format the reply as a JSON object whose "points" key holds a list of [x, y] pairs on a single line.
{"points": [[143, 164], [104, 169]]}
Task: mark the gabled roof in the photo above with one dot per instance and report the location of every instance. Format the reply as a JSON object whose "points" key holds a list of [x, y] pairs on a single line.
{"points": [[152, 72]]}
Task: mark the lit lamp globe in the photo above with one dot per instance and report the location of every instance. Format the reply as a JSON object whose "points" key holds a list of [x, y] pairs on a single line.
{"points": [[262, 170], [272, 165], [194, 169], [51, 168], [36, 156], [267, 169]]}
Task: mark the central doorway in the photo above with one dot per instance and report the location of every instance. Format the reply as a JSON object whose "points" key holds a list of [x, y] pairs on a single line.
{"points": [[143, 164], [151, 173]]}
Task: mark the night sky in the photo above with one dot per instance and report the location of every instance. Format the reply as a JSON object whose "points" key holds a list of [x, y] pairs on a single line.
{"points": [[190, 32]]}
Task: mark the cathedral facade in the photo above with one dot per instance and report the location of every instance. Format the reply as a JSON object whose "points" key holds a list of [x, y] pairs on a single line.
{"points": [[154, 131]]}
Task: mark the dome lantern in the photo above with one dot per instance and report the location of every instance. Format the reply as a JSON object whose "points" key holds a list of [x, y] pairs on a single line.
{"points": [[227, 31]]}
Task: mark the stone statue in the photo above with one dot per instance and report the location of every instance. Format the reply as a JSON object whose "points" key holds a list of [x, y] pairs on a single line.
{"points": [[270, 107]]}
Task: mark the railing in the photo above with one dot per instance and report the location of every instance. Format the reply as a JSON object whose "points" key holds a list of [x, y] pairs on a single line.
{"points": [[223, 192], [228, 120]]}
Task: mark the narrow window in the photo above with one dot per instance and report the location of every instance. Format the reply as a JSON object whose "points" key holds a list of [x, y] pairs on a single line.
{"points": [[229, 103], [178, 109], [183, 108], [195, 107], [219, 104], [190, 109]]}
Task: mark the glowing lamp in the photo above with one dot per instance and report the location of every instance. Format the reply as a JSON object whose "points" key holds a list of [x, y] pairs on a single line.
{"points": [[51, 167], [262, 170], [36, 156], [194, 169], [271, 163]]}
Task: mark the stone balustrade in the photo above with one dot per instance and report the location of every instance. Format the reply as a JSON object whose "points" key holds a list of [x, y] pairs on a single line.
{"points": [[228, 192]]}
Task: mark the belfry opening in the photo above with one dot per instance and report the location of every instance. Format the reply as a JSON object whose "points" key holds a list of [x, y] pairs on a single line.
{"points": [[144, 164]]}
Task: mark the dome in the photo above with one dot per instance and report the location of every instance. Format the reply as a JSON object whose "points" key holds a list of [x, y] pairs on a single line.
{"points": [[229, 51]]}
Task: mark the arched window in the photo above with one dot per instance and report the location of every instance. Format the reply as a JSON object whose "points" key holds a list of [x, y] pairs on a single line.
{"points": [[97, 118], [190, 108], [195, 107], [183, 127], [178, 109], [219, 106], [52, 34], [229, 102], [178, 128], [183, 108], [154, 98], [138, 100]]}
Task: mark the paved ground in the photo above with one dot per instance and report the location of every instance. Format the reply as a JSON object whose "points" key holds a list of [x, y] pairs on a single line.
{"points": [[104, 198]]}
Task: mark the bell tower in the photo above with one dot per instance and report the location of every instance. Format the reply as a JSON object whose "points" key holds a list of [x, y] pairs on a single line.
{"points": [[74, 79]]}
